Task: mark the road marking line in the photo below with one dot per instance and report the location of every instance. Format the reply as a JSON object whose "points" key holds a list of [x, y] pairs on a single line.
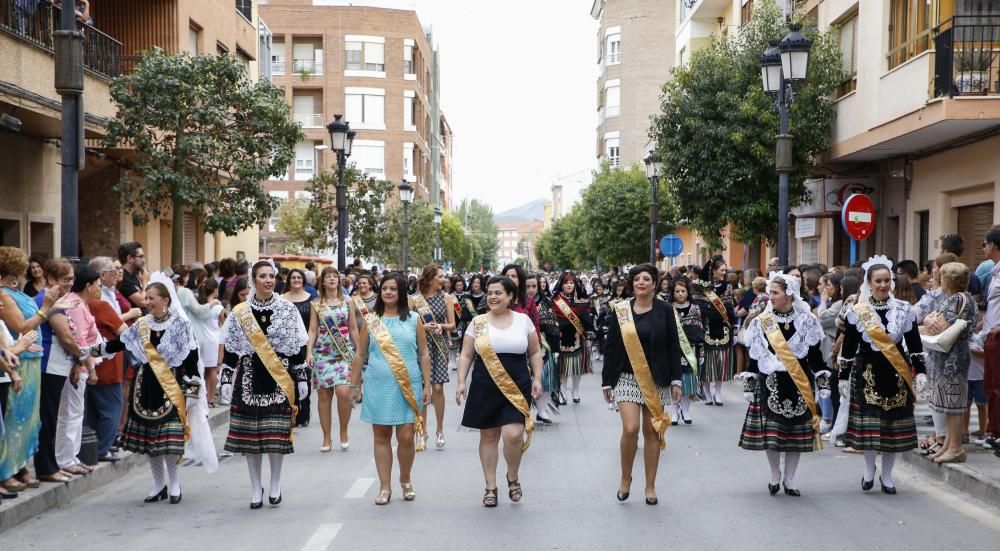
{"points": [[322, 537], [359, 488]]}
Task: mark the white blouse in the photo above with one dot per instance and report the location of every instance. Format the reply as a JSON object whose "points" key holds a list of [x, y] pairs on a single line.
{"points": [[514, 339]]}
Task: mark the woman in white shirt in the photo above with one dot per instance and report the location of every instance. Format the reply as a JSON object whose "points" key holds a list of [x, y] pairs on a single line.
{"points": [[501, 342]]}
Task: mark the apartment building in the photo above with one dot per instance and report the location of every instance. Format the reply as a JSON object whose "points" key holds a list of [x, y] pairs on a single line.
{"points": [[121, 31], [376, 66], [516, 239], [634, 42]]}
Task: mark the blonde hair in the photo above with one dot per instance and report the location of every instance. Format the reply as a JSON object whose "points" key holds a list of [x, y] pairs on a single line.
{"points": [[322, 288], [954, 276], [759, 284]]}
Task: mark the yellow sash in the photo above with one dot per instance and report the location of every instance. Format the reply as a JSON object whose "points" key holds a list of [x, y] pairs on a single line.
{"points": [[334, 331], [268, 357], [361, 306], [424, 309], [686, 347], [640, 367], [164, 375], [718, 304], [500, 376], [784, 352], [873, 326], [378, 331], [567, 311]]}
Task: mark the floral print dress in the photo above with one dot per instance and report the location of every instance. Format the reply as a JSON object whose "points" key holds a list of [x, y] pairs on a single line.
{"points": [[331, 368]]}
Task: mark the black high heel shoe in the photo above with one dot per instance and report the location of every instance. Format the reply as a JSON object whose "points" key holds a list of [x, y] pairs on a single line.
{"points": [[773, 488], [792, 492], [274, 500], [258, 504], [174, 500], [652, 501], [867, 485], [622, 496], [890, 490], [162, 494]]}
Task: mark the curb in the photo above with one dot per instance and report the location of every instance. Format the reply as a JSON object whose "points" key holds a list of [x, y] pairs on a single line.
{"points": [[959, 476], [33, 502]]}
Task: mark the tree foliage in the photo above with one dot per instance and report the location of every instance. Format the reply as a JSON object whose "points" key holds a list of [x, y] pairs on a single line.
{"points": [[458, 248], [205, 136], [366, 199], [420, 216], [563, 245], [716, 130], [478, 220]]}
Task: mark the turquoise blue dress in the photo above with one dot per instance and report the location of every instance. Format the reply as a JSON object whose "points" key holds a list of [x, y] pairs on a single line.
{"points": [[22, 420], [382, 400]]}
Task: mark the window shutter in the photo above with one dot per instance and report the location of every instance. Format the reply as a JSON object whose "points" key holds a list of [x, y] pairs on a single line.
{"points": [[375, 53], [848, 46], [190, 253]]}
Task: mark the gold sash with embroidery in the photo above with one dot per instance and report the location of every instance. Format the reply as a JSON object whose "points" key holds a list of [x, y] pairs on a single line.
{"points": [[567, 311], [164, 375], [718, 304], [334, 331], [424, 309], [470, 306], [268, 357], [873, 327], [500, 376], [359, 303], [686, 347], [784, 353], [640, 368], [378, 331]]}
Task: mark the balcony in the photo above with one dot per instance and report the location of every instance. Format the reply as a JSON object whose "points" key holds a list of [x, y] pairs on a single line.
{"points": [[34, 23], [313, 120], [307, 67], [967, 58], [277, 67]]}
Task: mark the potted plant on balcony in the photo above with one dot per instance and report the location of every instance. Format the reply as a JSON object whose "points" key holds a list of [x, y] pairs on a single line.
{"points": [[973, 71]]}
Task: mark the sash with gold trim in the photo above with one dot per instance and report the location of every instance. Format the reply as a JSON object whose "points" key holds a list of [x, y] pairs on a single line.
{"points": [[323, 313], [470, 306], [164, 375], [873, 327], [378, 331], [784, 353], [686, 348], [359, 303], [640, 368], [500, 376], [718, 304], [424, 309], [268, 357], [567, 311]]}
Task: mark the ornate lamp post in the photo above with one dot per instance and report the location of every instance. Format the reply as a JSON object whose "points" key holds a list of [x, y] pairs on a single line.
{"points": [[341, 140], [653, 169], [406, 197]]}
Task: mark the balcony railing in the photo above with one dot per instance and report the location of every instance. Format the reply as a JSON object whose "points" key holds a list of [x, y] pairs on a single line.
{"points": [[967, 58], [35, 21], [309, 120], [307, 66], [277, 67]]}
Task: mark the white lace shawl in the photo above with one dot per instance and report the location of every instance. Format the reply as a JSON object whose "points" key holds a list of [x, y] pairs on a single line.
{"points": [[808, 333], [900, 318], [176, 342], [287, 334]]}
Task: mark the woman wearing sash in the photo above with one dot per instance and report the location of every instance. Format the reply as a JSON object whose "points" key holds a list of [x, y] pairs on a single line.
{"points": [[296, 293], [715, 298], [501, 388], [549, 329], [393, 342], [436, 311], [575, 324], [642, 368], [265, 369], [477, 294], [330, 355], [692, 339], [455, 337], [882, 390], [786, 367], [157, 423]]}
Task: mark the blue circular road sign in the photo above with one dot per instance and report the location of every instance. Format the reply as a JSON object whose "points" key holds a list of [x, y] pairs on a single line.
{"points": [[671, 245]]}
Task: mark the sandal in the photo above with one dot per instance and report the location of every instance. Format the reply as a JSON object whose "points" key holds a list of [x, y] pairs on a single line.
{"points": [[383, 497], [25, 477], [55, 477], [490, 498], [926, 442], [932, 449], [76, 469], [408, 493], [515, 493]]}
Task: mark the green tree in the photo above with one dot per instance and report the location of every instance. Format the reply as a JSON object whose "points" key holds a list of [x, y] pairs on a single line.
{"points": [[294, 222], [206, 137], [366, 199], [563, 245], [478, 220], [457, 247], [717, 126], [421, 234]]}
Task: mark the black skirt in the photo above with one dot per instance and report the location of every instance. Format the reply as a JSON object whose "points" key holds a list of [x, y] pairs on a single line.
{"points": [[487, 407]]}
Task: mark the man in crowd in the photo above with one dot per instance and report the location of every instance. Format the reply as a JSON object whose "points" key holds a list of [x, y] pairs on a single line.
{"points": [[134, 278], [991, 336], [910, 269]]}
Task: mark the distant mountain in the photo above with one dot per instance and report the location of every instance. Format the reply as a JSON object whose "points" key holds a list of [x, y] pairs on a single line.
{"points": [[534, 210]]}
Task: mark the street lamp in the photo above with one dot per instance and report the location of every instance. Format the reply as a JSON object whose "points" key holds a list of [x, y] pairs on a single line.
{"points": [[437, 234], [783, 65], [653, 169], [341, 141], [405, 197]]}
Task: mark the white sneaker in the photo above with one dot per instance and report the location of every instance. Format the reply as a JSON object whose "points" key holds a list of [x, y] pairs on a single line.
{"points": [[825, 426]]}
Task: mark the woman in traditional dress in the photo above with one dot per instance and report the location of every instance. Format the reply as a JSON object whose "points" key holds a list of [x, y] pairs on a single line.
{"points": [[785, 369], [714, 297], [393, 342], [296, 293], [664, 288], [477, 294], [576, 323], [435, 308], [264, 342], [599, 305], [642, 368], [692, 341], [455, 337], [549, 328], [881, 382], [330, 355]]}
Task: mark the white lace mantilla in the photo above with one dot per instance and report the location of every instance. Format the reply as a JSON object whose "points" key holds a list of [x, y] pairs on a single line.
{"points": [[808, 333], [176, 342], [286, 333], [900, 317]]}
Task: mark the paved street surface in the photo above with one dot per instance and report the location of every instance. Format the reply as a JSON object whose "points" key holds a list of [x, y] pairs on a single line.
{"points": [[713, 495]]}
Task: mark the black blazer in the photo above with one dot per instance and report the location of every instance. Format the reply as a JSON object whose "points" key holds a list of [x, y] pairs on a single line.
{"points": [[663, 354]]}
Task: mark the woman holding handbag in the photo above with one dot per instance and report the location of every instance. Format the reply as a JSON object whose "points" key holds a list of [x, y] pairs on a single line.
{"points": [[946, 332]]}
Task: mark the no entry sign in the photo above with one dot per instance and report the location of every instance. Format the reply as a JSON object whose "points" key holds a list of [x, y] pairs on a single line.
{"points": [[858, 216]]}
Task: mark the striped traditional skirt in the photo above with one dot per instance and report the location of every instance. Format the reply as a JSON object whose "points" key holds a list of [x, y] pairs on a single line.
{"points": [[550, 374], [689, 384], [718, 364], [778, 418], [259, 430], [154, 437], [873, 427], [574, 363]]}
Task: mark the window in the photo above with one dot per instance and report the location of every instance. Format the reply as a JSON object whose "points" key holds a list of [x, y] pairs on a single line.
{"points": [[304, 110], [409, 111], [612, 98], [281, 196], [911, 27], [369, 157], [278, 57], [809, 253], [265, 39], [612, 151], [307, 58], [848, 39], [408, 162], [746, 11], [245, 7], [613, 45], [408, 59], [364, 54], [923, 235], [365, 108], [221, 49], [194, 38], [305, 160]]}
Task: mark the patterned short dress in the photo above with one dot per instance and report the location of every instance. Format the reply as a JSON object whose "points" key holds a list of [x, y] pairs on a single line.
{"points": [[331, 369], [439, 359]]}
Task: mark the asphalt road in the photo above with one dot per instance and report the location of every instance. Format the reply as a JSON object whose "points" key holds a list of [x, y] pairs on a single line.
{"points": [[712, 494]]}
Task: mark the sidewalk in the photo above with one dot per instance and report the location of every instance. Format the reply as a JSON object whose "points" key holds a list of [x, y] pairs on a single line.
{"points": [[979, 476], [35, 501]]}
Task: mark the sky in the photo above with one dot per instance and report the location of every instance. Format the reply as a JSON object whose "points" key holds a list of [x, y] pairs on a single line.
{"points": [[518, 81]]}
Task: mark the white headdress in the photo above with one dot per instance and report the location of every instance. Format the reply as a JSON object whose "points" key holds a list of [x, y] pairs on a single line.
{"points": [[165, 277], [793, 287], [253, 288], [865, 294]]}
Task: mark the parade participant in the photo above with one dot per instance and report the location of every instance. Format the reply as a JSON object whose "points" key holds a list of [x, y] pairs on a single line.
{"points": [[599, 306], [501, 388], [393, 342], [575, 324], [264, 342], [882, 391], [549, 327], [642, 368], [299, 294], [455, 337], [330, 355], [785, 369], [692, 340], [663, 288], [715, 298], [435, 308], [521, 303], [477, 292]]}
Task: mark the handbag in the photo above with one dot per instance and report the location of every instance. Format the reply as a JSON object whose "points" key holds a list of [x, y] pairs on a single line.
{"points": [[943, 341]]}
